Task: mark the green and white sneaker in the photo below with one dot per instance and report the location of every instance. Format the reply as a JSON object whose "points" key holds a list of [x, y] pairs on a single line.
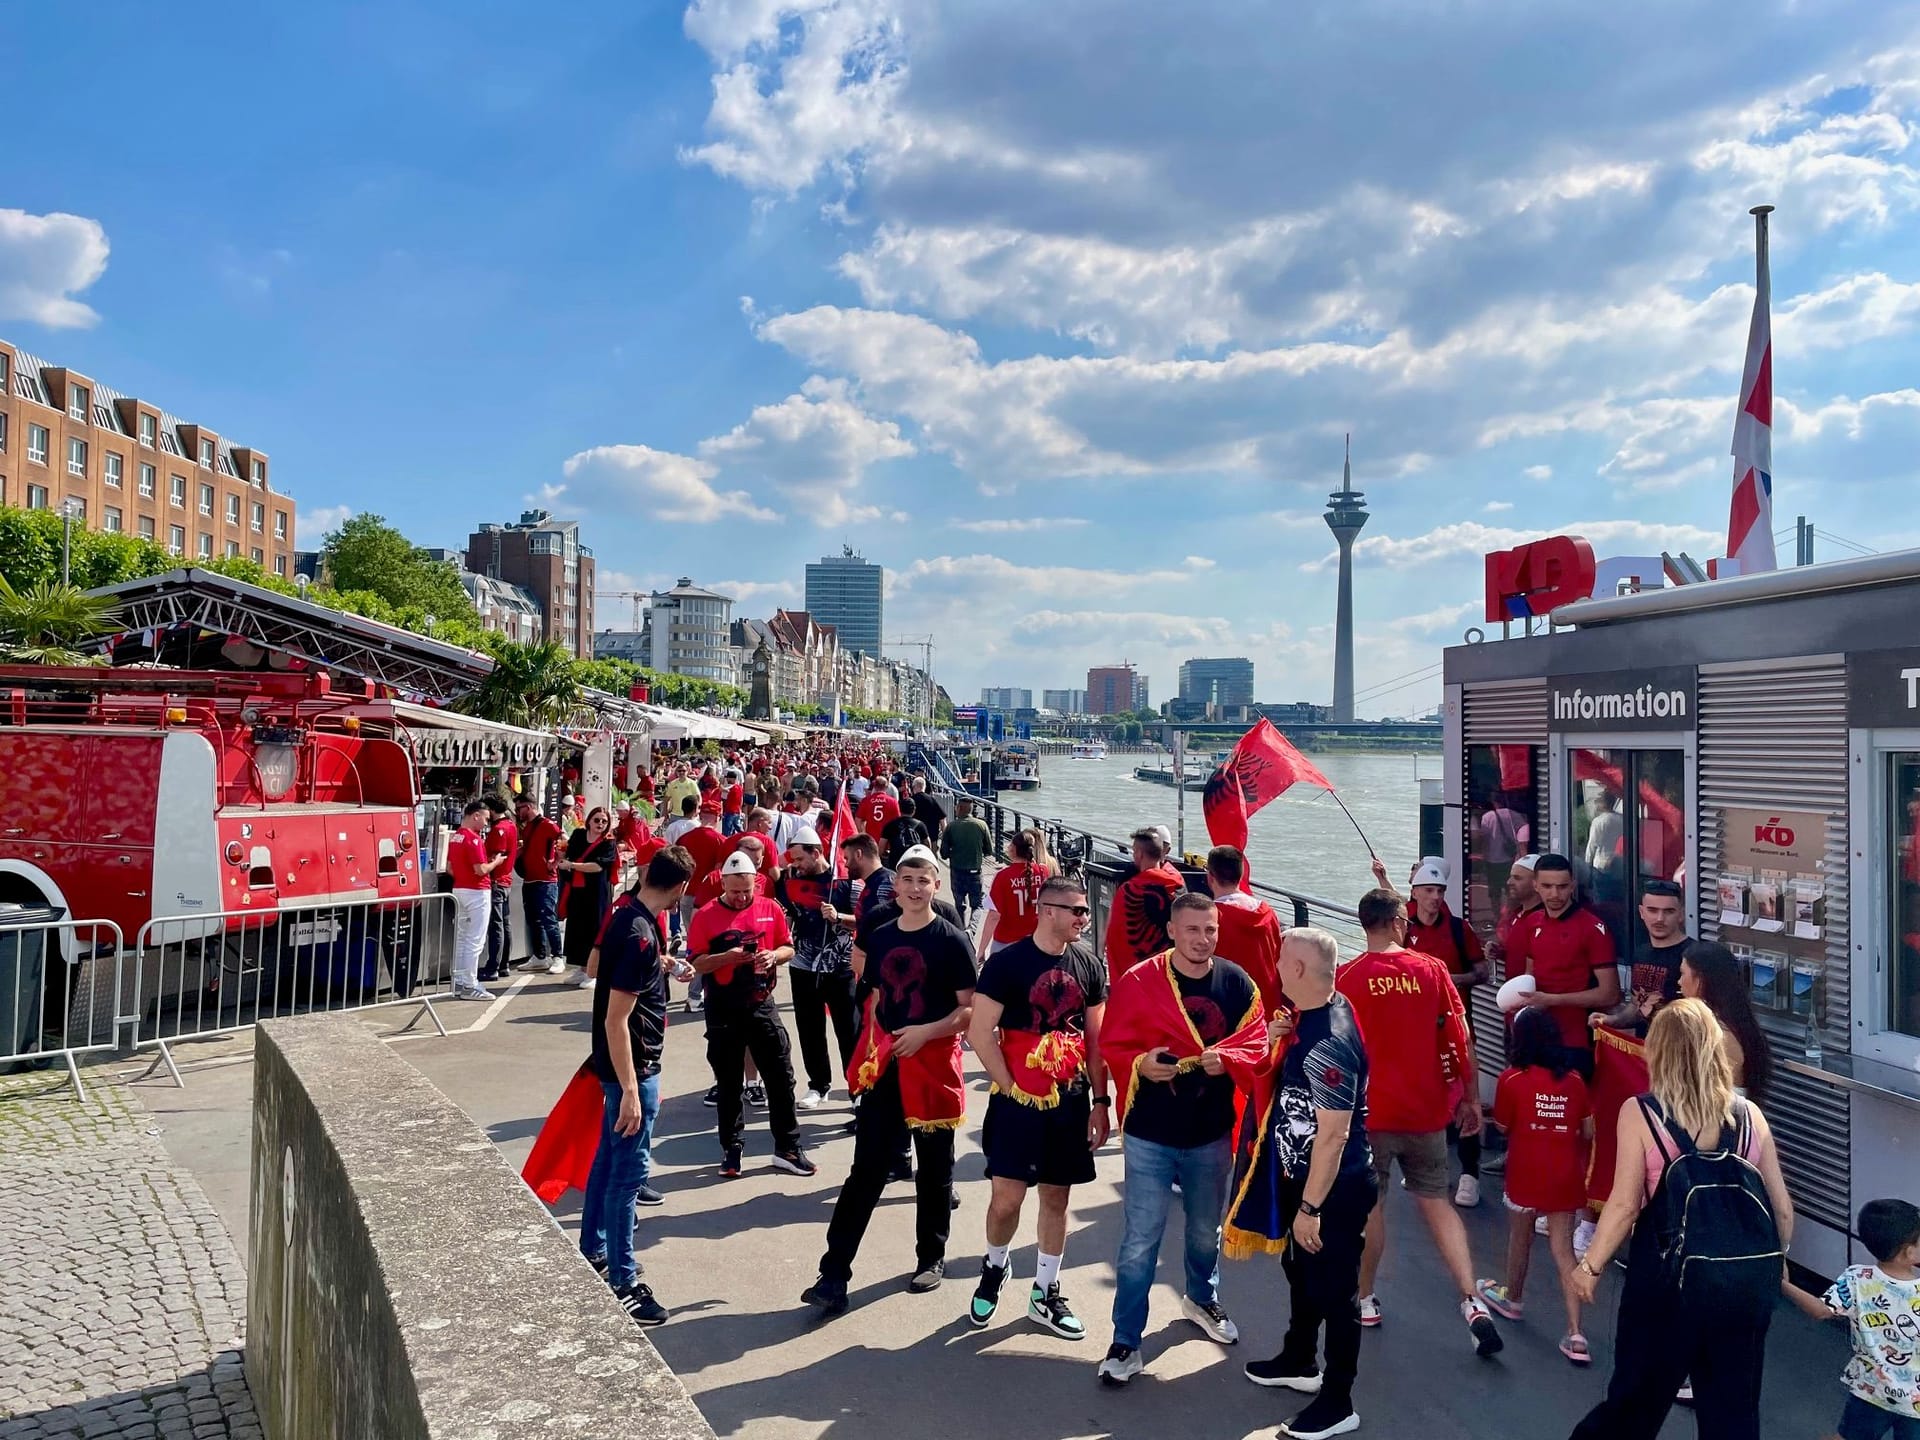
{"points": [[986, 1295], [1049, 1308]]}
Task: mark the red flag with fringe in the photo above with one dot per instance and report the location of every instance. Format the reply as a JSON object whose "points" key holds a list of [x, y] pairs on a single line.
{"points": [[563, 1151], [1145, 1015]]}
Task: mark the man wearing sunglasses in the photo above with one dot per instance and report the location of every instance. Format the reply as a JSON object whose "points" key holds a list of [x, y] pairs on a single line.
{"points": [[1036, 1029]]}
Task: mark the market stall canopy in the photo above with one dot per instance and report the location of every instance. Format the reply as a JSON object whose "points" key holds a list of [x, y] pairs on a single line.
{"points": [[691, 725], [774, 730], [447, 738], [198, 619]]}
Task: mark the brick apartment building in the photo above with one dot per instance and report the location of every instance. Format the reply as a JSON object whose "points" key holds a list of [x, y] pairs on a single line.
{"points": [[544, 557], [126, 465]]}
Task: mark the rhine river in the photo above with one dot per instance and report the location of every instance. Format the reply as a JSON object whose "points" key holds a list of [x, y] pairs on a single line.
{"points": [[1301, 841]]}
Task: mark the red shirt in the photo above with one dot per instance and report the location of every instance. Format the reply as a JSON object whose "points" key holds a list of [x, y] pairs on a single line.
{"points": [[1563, 956], [503, 839], [1250, 936], [706, 846], [1014, 896], [466, 853], [878, 811], [541, 846], [766, 861], [717, 927], [1437, 940], [736, 798], [1414, 1029], [1547, 1155]]}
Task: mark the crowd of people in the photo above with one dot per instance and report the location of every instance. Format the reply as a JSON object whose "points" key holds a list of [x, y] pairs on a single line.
{"points": [[1268, 1082]]}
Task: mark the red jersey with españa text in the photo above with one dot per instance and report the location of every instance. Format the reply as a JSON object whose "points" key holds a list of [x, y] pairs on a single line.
{"points": [[1414, 1029]]}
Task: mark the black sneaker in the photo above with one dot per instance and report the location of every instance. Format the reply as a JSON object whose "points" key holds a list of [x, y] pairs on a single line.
{"points": [[1325, 1417], [828, 1296], [1282, 1373], [986, 1295], [929, 1278], [901, 1170], [649, 1196], [488, 976], [1121, 1365], [730, 1163], [1486, 1338], [1049, 1309], [638, 1302], [794, 1162], [599, 1264], [756, 1095], [712, 1098]]}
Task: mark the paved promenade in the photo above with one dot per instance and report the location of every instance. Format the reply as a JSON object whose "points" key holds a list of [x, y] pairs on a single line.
{"points": [[123, 1300], [730, 1257]]}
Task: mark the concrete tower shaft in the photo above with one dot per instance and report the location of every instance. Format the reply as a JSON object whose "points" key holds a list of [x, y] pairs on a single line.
{"points": [[1346, 517]]}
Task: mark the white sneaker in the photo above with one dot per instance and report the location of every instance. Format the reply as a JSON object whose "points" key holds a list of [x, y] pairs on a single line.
{"points": [[557, 965], [1369, 1311], [583, 981], [1539, 1224], [812, 1100], [1122, 1363], [1582, 1238], [1212, 1319], [1467, 1194]]}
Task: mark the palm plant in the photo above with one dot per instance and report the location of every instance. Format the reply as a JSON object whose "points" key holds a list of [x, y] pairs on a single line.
{"points": [[533, 686], [42, 624]]}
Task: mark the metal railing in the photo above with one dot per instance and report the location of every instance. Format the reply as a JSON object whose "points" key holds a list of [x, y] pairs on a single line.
{"points": [[198, 976], [59, 992]]}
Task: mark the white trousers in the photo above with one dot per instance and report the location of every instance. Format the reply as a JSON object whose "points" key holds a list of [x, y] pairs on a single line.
{"points": [[471, 910]]}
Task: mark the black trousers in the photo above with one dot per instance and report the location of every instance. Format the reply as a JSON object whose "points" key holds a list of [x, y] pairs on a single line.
{"points": [[1325, 1285], [499, 935], [880, 1134], [1658, 1344], [816, 999], [759, 1032]]}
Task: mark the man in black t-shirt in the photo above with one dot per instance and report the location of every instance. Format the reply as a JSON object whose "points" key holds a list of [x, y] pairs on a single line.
{"points": [[902, 834], [1044, 996], [822, 965], [1653, 979], [629, 1032], [1326, 1186], [917, 973]]}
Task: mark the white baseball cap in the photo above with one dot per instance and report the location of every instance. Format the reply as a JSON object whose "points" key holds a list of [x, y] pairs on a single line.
{"points": [[1526, 862], [739, 863], [805, 835], [1432, 871], [918, 855]]}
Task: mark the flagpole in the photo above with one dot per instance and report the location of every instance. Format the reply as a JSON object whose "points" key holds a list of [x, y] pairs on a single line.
{"points": [[1372, 853]]}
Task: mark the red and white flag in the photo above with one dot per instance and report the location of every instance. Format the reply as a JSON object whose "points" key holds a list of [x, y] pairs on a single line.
{"points": [[1750, 524], [1262, 767], [837, 834]]}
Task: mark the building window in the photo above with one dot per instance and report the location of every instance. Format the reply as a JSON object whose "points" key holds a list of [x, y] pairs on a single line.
{"points": [[146, 527], [77, 400], [279, 524], [36, 497], [233, 509], [233, 550], [280, 565], [1903, 861], [3, 429], [206, 546], [37, 444], [177, 539], [116, 465], [177, 490], [6, 369], [259, 557], [206, 454], [113, 520], [206, 500], [146, 431], [77, 457], [260, 472], [259, 518], [146, 482]]}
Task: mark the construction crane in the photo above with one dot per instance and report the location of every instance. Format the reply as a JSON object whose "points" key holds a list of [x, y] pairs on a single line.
{"points": [[922, 643], [639, 598]]}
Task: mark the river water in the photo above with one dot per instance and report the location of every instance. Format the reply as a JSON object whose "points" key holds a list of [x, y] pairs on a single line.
{"points": [[1301, 841]]}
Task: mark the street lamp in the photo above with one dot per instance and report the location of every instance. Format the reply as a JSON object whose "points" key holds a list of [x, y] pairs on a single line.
{"points": [[67, 508]]}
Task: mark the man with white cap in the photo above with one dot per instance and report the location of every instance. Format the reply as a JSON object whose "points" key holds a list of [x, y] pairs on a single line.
{"points": [[1433, 929], [822, 960], [738, 944]]}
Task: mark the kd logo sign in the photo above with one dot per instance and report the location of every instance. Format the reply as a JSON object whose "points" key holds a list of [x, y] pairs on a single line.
{"points": [[1773, 833]]}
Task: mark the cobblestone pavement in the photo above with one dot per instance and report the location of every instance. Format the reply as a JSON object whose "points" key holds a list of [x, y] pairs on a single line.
{"points": [[124, 1302]]}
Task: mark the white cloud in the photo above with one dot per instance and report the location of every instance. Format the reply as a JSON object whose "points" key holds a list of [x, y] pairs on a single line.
{"points": [[310, 526], [1470, 538], [768, 595], [970, 573], [45, 260], [1019, 526], [1495, 507], [1538, 472], [656, 485], [816, 447]]}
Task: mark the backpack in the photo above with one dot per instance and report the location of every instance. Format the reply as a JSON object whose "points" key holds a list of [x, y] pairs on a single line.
{"points": [[1719, 1243]]}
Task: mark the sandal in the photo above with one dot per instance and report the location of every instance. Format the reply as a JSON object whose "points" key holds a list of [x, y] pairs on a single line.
{"points": [[1497, 1300], [1574, 1347]]}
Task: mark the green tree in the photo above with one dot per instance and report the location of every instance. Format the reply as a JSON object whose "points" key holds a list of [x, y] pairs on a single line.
{"points": [[534, 686], [30, 542], [42, 623], [366, 554]]}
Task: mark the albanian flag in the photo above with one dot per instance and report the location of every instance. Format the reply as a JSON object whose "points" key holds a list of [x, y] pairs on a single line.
{"points": [[563, 1151], [1263, 767], [1619, 1074], [841, 828], [1147, 1014], [1137, 925]]}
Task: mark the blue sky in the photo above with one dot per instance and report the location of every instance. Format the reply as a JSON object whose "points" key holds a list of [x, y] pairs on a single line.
{"points": [[1060, 312]]}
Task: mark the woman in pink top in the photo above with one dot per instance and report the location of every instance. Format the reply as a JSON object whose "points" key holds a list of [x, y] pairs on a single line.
{"points": [[1658, 1342]]}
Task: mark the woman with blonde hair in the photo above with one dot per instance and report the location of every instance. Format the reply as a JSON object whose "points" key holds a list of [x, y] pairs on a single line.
{"points": [[1697, 1182]]}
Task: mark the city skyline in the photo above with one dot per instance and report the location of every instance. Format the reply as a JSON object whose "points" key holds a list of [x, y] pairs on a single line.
{"points": [[1064, 367]]}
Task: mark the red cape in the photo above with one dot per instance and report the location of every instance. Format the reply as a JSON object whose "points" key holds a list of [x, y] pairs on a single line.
{"points": [[563, 1151], [933, 1090], [1144, 1015], [1619, 1074], [1250, 937], [1137, 924]]}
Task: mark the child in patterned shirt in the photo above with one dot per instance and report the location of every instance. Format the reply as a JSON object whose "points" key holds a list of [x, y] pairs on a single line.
{"points": [[1881, 1305]]}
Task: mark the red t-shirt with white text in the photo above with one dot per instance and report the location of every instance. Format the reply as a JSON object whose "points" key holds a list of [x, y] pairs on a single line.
{"points": [[1546, 1153], [466, 853]]}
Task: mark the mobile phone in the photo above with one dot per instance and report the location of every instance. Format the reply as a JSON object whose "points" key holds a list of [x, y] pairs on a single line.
{"points": [[751, 944], [1167, 1057]]}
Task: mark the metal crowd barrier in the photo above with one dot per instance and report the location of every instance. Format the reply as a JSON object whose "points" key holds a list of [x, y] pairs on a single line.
{"points": [[59, 991], [213, 974]]}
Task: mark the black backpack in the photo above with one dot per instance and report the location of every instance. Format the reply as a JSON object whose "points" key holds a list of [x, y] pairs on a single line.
{"points": [[1719, 1242]]}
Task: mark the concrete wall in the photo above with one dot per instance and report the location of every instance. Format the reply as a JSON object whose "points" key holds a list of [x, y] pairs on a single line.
{"points": [[404, 1283]]}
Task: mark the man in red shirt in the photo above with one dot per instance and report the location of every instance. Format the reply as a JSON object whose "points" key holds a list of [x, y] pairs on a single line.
{"points": [[1567, 950], [1415, 1032], [472, 872], [540, 887], [503, 842], [877, 811], [1250, 933], [732, 804], [1433, 929]]}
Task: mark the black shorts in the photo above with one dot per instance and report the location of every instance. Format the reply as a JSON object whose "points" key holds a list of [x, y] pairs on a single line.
{"points": [[1039, 1147]]}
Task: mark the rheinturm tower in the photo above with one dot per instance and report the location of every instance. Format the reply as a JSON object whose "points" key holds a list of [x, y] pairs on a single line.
{"points": [[1346, 516]]}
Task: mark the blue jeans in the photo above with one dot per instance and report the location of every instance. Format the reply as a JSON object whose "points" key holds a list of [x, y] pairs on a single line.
{"points": [[732, 824], [620, 1168], [542, 899], [1204, 1173]]}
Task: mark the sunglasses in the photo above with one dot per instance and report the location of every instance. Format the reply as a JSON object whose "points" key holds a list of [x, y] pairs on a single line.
{"points": [[1079, 912]]}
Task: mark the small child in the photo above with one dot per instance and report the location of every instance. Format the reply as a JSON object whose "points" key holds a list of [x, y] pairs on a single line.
{"points": [[1881, 1305], [1541, 1103]]}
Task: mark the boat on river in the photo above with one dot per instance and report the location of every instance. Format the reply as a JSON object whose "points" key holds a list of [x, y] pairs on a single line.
{"points": [[1195, 779], [1088, 750], [1016, 766]]}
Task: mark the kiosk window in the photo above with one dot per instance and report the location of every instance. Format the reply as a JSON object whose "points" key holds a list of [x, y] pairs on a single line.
{"points": [[1501, 817], [1903, 971], [1629, 823]]}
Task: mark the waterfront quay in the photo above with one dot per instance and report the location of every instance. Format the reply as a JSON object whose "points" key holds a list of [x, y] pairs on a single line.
{"points": [[730, 1257]]}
